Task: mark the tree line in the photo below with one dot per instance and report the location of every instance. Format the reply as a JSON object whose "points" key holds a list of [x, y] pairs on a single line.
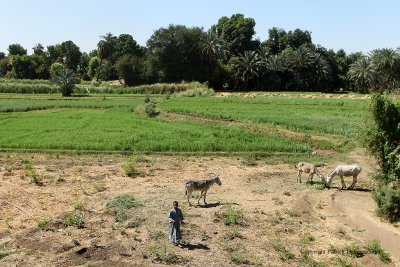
{"points": [[226, 56]]}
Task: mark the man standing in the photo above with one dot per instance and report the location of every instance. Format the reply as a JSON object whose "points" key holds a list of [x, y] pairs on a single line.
{"points": [[175, 219]]}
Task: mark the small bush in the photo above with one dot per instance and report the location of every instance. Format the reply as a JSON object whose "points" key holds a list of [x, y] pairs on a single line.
{"points": [[231, 215], [130, 167], [151, 110], [198, 92], [75, 218], [162, 252], [388, 202]]}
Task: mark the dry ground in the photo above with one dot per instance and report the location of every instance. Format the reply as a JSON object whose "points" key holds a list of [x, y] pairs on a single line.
{"points": [[280, 217]]}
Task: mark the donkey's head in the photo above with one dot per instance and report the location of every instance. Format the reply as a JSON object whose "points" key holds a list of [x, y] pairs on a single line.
{"points": [[216, 179]]}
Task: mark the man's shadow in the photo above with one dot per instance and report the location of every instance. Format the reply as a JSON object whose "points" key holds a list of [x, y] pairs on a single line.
{"points": [[213, 205], [194, 246]]}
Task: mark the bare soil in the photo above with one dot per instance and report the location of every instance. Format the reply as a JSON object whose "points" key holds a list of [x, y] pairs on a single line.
{"points": [[281, 218]]}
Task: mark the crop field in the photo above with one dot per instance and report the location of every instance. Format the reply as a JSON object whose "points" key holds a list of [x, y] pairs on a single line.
{"points": [[89, 181]]}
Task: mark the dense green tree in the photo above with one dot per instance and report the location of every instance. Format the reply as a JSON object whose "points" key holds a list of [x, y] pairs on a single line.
{"points": [[126, 45], [130, 69], [82, 69], [279, 40], [66, 80], [23, 66], [94, 64], [238, 32], [2, 55], [16, 50], [176, 53], [67, 52]]}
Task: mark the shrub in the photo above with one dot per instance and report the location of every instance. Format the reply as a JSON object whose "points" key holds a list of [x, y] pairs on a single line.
{"points": [[55, 68], [231, 215], [151, 110], [75, 218], [388, 202]]}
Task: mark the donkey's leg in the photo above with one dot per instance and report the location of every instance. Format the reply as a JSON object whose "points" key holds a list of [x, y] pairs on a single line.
{"points": [[198, 200], [189, 194], [299, 176], [342, 180], [354, 182], [205, 193]]}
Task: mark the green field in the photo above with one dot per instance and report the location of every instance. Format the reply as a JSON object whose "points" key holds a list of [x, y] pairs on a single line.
{"points": [[40, 122], [331, 116]]}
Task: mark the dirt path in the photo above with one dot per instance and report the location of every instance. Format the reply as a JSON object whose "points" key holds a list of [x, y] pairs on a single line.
{"points": [[355, 209]]}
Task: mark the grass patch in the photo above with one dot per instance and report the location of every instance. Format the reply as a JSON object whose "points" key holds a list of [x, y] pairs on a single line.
{"points": [[75, 218], [354, 251], [280, 248], [231, 215], [122, 206], [163, 252], [374, 247], [292, 213], [306, 239]]}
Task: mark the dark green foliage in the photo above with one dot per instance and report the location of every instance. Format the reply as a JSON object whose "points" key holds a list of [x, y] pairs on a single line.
{"points": [[382, 138], [16, 50], [388, 202], [66, 80], [151, 110], [129, 69]]}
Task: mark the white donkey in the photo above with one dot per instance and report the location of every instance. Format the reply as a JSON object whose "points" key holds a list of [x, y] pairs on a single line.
{"points": [[202, 186], [344, 170]]}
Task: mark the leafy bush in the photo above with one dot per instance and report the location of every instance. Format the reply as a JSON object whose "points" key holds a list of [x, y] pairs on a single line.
{"points": [[151, 110], [382, 137], [388, 201]]}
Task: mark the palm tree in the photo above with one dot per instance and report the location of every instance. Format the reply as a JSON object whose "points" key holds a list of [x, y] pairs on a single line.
{"points": [[385, 61], [248, 66], [212, 47], [66, 80], [105, 48], [362, 73]]}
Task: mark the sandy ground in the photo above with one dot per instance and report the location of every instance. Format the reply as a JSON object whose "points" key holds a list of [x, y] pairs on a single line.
{"points": [[278, 214]]}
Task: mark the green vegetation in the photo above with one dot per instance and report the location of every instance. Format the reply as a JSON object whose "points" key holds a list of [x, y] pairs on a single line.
{"points": [[280, 248], [75, 218], [375, 247], [231, 215], [305, 115], [121, 207], [382, 140]]}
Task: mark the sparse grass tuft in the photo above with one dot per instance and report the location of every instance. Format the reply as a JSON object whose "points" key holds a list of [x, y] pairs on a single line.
{"points": [[354, 251], [292, 213], [306, 238], [121, 207], [44, 223], [280, 247], [374, 247]]}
